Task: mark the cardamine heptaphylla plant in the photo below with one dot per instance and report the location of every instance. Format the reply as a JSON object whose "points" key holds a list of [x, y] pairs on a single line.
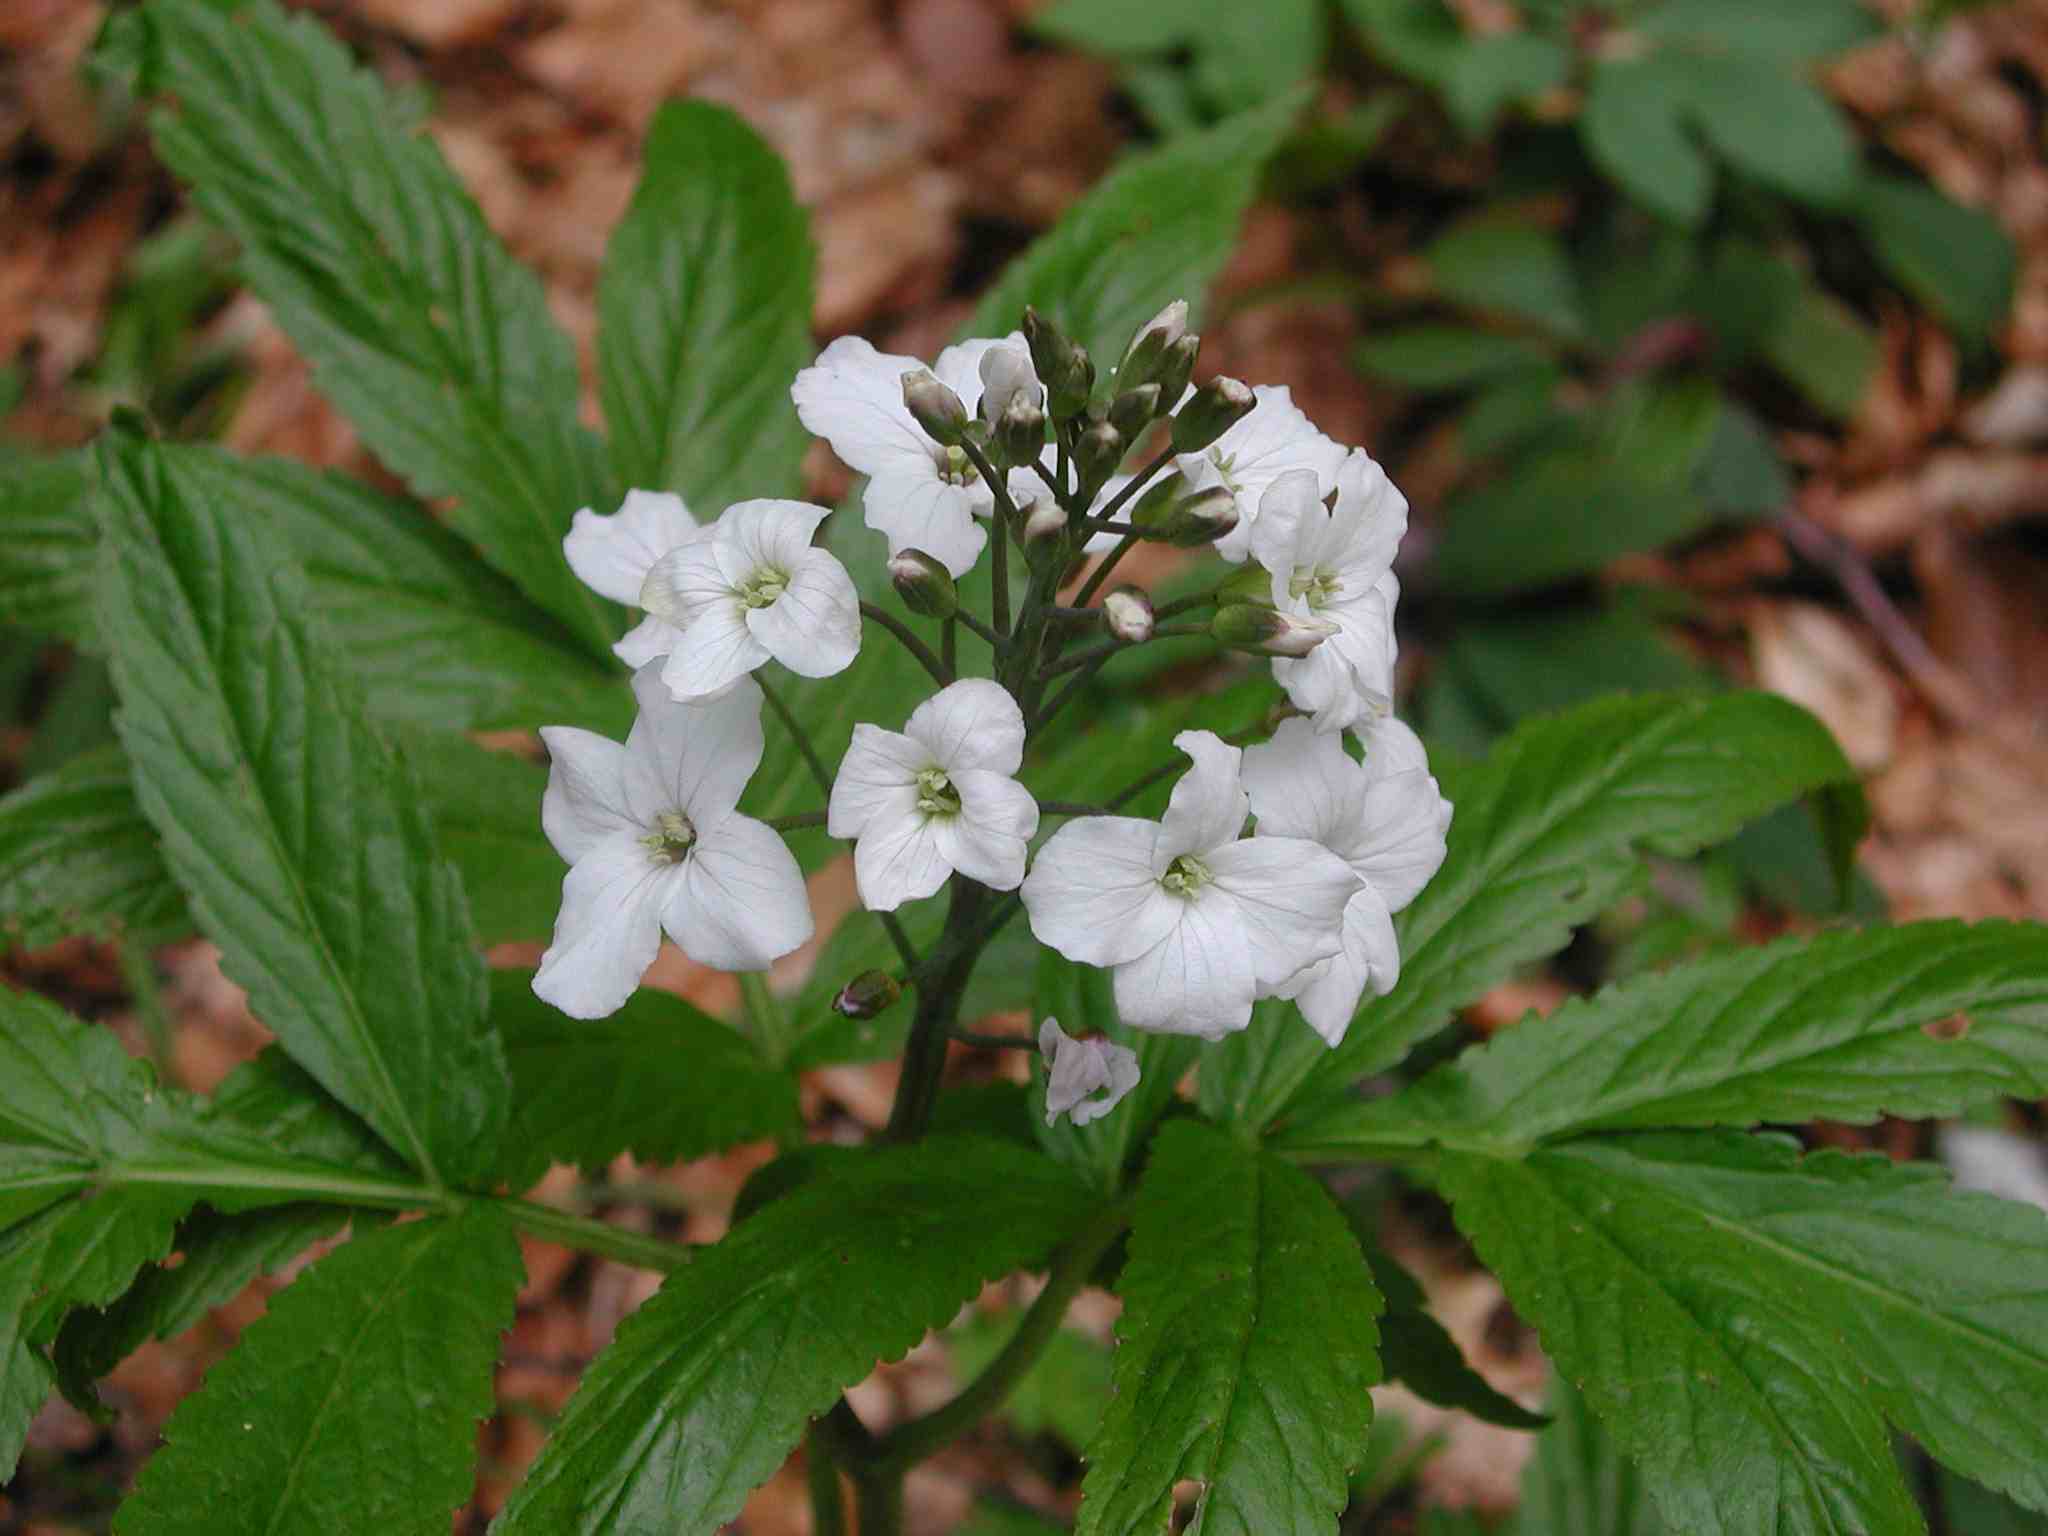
{"points": [[1165, 807]]}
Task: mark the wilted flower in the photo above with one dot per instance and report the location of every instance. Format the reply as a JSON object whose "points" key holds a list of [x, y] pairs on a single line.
{"points": [[1083, 1078]]}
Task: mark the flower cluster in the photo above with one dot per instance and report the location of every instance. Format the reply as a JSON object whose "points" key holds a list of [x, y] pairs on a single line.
{"points": [[1277, 865]]}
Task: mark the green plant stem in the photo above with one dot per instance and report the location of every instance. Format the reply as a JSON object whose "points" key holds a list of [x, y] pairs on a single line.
{"points": [[911, 1442], [1188, 604], [767, 1022], [1101, 572], [1067, 808], [996, 642], [874, 614], [828, 1502], [592, 1236], [1138, 482], [796, 820], [1109, 648], [1069, 693], [941, 980], [949, 646], [878, 1503], [998, 536]]}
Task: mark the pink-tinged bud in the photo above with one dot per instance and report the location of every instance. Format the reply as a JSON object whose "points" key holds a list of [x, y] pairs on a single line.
{"points": [[1047, 519], [1132, 411], [1148, 348], [1268, 631], [866, 995], [1020, 432], [925, 586], [1200, 519], [1127, 615], [934, 407], [1176, 368], [1097, 453], [1214, 409]]}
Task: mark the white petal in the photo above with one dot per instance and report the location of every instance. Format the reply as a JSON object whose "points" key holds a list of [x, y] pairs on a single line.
{"points": [[694, 757], [1208, 806], [853, 398], [1006, 374], [959, 366], [612, 555], [1197, 980], [915, 509], [1328, 994], [878, 769], [768, 534], [1323, 684], [1290, 894], [649, 640], [1272, 438], [586, 800], [973, 723], [814, 627], [1360, 539], [716, 648], [898, 858], [740, 903], [686, 582], [1303, 783], [1391, 746], [987, 840], [608, 931], [1092, 893], [1398, 840], [1290, 516]]}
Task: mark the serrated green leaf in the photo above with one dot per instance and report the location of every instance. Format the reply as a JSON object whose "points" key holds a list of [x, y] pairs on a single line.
{"points": [[1496, 264], [1079, 997], [1773, 125], [46, 537], [1492, 73], [709, 1385], [1957, 259], [485, 807], [1245, 1351], [1576, 1484], [1549, 830], [76, 857], [1157, 228], [1978, 1511], [1746, 1321], [659, 1079], [354, 1403], [1446, 356], [381, 269], [704, 309], [1919, 1021], [295, 830]]}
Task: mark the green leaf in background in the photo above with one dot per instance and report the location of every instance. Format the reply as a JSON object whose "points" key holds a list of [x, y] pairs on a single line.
{"points": [[1921, 1020], [1789, 34], [46, 535], [1496, 263], [295, 829], [379, 266], [1442, 357], [1772, 125], [354, 1402], [1421, 38], [1419, 1352], [1830, 356], [1157, 228], [709, 1385], [1242, 55], [1062, 1392], [1742, 475], [1956, 259], [1079, 997], [705, 315], [1972, 1510], [1634, 129], [1746, 1321], [485, 807], [1552, 827], [659, 1079], [1493, 73], [1577, 1484], [77, 857], [1245, 1351]]}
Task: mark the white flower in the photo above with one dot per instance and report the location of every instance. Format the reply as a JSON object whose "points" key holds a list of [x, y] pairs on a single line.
{"points": [[1336, 566], [1194, 921], [939, 796], [754, 589], [1272, 438], [654, 842], [920, 495], [1385, 818], [1086, 1077], [612, 556]]}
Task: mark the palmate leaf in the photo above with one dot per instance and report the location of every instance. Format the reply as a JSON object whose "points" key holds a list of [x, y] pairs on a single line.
{"points": [[354, 1403], [1245, 1351], [1919, 1020], [705, 313], [378, 265], [1546, 832], [294, 828], [1747, 1322], [709, 1385], [658, 1078]]}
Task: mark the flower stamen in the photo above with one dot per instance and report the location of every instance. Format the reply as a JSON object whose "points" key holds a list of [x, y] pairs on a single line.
{"points": [[763, 587], [936, 795], [1186, 876], [672, 837]]}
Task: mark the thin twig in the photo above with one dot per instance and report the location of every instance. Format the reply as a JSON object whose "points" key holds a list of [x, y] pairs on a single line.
{"points": [[917, 648], [1067, 808], [796, 820], [995, 641]]}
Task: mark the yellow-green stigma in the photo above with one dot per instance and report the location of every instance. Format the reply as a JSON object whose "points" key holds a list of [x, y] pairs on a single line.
{"points": [[1185, 876], [763, 587], [671, 838], [1318, 583], [936, 795]]}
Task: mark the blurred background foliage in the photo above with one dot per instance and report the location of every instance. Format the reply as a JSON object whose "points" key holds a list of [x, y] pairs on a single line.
{"points": [[1708, 338]]}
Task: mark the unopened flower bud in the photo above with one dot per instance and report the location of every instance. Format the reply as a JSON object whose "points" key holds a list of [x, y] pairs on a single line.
{"points": [[1202, 518], [1249, 583], [867, 995], [934, 407], [1063, 365], [925, 586], [1097, 452], [1268, 631], [1215, 408], [1006, 378], [1148, 348], [1132, 411], [1127, 615], [1020, 431], [1047, 519], [1176, 368]]}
